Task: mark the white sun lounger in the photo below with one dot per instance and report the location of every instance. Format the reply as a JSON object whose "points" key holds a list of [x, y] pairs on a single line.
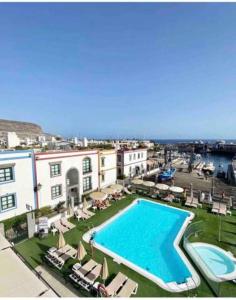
{"points": [[59, 226], [85, 269], [90, 278], [81, 215], [215, 207], [88, 212], [116, 284], [129, 288], [67, 224]]}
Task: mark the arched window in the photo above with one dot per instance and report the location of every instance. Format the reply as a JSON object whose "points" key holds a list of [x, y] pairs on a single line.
{"points": [[87, 168]]}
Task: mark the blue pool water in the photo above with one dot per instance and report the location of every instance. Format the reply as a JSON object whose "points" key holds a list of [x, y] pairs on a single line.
{"points": [[216, 260], [144, 235]]}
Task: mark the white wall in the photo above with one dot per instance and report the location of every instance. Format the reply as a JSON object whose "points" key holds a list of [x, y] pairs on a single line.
{"points": [[22, 185], [132, 159], [109, 170], [72, 159]]}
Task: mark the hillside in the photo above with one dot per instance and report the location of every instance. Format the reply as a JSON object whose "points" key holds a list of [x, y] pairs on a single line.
{"points": [[23, 129]]}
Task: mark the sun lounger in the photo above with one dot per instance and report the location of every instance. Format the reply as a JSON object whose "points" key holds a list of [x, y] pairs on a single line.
{"points": [[59, 226], [67, 224], [223, 209], [88, 212], [168, 198], [58, 252], [93, 275], [116, 284], [85, 269], [129, 288], [127, 191], [192, 202], [81, 215], [60, 256], [215, 207]]}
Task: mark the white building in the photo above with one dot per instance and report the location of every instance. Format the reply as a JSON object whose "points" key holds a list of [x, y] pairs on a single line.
{"points": [[107, 168], [16, 183], [131, 163], [85, 142], [62, 175], [12, 140]]}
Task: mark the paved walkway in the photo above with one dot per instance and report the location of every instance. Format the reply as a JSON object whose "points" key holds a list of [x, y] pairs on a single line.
{"points": [[57, 283]]}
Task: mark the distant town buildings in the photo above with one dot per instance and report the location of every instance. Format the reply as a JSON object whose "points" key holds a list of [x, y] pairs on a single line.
{"points": [[12, 140]]}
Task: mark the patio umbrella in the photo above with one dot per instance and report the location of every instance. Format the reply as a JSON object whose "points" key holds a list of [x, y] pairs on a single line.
{"points": [[162, 186], [137, 181], [85, 204], [98, 196], [148, 183], [176, 189], [104, 271], [117, 187], [70, 210], [108, 191], [209, 198], [61, 241], [81, 251], [191, 190]]}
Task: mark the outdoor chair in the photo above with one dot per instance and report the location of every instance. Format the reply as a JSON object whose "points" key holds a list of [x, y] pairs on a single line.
{"points": [[129, 288]]}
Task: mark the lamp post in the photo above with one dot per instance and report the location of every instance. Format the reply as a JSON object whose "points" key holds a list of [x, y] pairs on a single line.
{"points": [[220, 224]]}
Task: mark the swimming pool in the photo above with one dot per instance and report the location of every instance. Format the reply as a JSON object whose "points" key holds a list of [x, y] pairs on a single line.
{"points": [[218, 264], [145, 237]]}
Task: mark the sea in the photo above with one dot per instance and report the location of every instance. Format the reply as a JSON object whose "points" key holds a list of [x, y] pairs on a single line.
{"points": [[220, 161]]}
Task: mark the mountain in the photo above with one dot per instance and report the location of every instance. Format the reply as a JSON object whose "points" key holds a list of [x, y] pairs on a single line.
{"points": [[22, 129]]}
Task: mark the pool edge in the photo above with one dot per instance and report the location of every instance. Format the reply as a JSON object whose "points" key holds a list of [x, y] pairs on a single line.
{"points": [[193, 282]]}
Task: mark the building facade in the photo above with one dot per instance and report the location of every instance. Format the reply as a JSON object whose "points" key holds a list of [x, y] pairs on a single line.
{"points": [[131, 163], [17, 183], [107, 168], [62, 175]]}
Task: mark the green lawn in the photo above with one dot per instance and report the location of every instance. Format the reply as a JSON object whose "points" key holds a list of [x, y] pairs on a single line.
{"points": [[34, 249]]}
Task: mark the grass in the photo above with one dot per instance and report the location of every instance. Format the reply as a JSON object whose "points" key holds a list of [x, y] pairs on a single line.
{"points": [[33, 250]]}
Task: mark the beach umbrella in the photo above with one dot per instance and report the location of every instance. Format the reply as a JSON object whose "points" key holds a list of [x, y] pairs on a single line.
{"points": [[61, 241], [104, 271], [117, 187], [85, 204], [99, 196], [137, 181], [162, 186], [176, 189], [108, 191], [81, 251], [149, 183]]}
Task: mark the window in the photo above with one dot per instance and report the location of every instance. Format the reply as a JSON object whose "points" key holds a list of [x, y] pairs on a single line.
{"points": [[134, 156], [130, 157], [87, 165], [8, 201], [6, 174], [119, 158], [138, 155], [56, 191], [142, 154], [103, 161], [103, 177], [55, 170], [87, 183]]}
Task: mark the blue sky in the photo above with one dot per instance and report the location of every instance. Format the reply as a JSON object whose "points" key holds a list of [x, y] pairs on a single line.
{"points": [[122, 70]]}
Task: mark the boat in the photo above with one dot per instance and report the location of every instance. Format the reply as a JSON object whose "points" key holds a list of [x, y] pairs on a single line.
{"points": [[209, 167], [167, 175]]}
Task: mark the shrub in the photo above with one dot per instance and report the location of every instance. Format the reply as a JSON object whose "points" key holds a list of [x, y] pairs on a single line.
{"points": [[15, 222], [44, 211]]}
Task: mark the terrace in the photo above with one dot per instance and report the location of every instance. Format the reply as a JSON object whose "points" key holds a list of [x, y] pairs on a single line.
{"points": [[33, 250]]}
